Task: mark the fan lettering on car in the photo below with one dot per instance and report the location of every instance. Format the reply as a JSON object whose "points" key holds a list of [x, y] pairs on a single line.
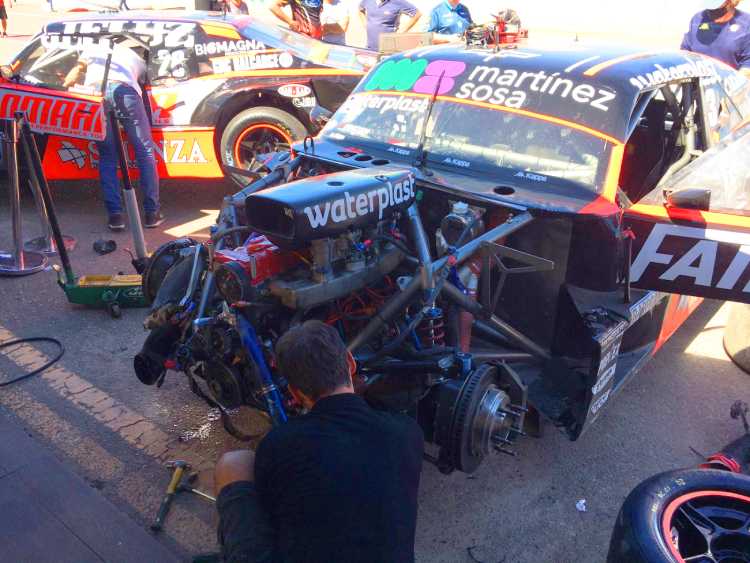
{"points": [[350, 207], [693, 258]]}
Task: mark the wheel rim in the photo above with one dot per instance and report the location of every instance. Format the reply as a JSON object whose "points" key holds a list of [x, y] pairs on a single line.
{"points": [[708, 527], [258, 140]]}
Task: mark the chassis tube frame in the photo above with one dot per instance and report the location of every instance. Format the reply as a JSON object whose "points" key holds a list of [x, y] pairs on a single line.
{"points": [[397, 303]]}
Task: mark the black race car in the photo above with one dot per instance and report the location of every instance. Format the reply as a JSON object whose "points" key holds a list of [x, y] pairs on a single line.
{"points": [[498, 234], [221, 89]]}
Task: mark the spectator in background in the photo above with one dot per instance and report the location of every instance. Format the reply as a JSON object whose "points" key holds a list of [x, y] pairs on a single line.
{"points": [[3, 19], [449, 17], [305, 15], [384, 16], [335, 20], [237, 7], [722, 33]]}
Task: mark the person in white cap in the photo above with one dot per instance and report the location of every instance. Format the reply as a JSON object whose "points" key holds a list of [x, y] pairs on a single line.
{"points": [[722, 32]]}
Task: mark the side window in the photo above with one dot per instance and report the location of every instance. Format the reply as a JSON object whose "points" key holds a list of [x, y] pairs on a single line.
{"points": [[663, 140], [722, 115], [170, 62], [40, 66]]}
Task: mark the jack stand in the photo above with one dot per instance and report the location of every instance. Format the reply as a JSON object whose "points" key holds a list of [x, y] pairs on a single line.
{"points": [[17, 262]]}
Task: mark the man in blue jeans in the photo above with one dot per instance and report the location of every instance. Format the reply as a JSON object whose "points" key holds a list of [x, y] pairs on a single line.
{"points": [[127, 70]]}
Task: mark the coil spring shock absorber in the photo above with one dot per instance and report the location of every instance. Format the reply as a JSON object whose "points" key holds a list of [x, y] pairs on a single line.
{"points": [[431, 330]]}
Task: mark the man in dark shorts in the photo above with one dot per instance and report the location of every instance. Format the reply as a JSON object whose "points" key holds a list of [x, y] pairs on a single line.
{"points": [[305, 15], [3, 19], [722, 33], [336, 484]]}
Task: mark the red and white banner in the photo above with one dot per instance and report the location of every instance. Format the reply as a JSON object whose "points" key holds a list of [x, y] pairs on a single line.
{"points": [[47, 111]]}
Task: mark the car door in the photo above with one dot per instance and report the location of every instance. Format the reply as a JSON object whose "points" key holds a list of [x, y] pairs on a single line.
{"points": [[691, 235]]}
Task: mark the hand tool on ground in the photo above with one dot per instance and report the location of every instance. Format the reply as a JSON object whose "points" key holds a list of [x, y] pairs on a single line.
{"points": [[188, 489], [180, 467]]}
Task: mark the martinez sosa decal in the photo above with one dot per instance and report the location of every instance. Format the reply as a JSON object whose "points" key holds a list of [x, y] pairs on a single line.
{"points": [[484, 83]]}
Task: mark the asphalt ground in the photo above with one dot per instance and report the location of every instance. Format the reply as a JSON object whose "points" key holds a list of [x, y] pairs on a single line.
{"points": [[116, 433]]}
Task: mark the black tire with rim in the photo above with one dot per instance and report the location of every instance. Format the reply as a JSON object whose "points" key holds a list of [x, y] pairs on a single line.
{"points": [[254, 132], [690, 515]]}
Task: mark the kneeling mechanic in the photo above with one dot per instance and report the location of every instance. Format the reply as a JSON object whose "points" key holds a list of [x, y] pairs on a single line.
{"points": [[336, 484]]}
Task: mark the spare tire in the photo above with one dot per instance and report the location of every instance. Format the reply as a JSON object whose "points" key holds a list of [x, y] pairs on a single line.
{"points": [[256, 132], [682, 514]]}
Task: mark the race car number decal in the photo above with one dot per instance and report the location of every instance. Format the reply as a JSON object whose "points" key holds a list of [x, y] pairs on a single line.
{"points": [[707, 262], [55, 114]]}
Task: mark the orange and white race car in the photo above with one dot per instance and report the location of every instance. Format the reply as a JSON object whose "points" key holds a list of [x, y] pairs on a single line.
{"points": [[221, 89]]}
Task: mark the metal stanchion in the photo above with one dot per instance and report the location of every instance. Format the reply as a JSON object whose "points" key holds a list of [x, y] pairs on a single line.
{"points": [[46, 242], [16, 262], [131, 203]]}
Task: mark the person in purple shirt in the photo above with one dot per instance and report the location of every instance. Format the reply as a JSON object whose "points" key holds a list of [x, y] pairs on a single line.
{"points": [[722, 33], [384, 16]]}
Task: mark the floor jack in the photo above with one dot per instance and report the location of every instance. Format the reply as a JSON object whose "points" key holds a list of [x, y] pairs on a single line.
{"points": [[110, 292]]}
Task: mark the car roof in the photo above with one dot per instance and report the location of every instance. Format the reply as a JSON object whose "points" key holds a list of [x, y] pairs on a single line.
{"points": [[195, 16], [597, 87]]}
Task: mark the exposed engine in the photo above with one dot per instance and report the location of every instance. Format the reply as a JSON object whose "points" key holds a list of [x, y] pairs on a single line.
{"points": [[348, 248]]}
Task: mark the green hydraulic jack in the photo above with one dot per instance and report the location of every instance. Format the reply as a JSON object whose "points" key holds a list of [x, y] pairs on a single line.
{"points": [[100, 291]]}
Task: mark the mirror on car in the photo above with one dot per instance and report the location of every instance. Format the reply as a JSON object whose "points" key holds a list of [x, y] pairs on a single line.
{"points": [[6, 72], [691, 198]]}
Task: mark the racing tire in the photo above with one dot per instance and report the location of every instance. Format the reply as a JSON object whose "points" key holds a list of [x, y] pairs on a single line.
{"points": [[254, 132], [657, 521]]}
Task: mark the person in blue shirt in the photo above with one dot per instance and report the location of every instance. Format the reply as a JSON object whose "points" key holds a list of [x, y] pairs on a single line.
{"points": [[449, 17], [722, 33], [384, 16]]}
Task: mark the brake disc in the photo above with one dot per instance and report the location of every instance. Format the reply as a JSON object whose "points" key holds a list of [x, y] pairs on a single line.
{"points": [[483, 419]]}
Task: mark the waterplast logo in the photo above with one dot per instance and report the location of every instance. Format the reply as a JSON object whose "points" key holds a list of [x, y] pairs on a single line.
{"points": [[418, 75]]}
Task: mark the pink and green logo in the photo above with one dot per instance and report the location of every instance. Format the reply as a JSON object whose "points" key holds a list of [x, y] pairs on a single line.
{"points": [[418, 75]]}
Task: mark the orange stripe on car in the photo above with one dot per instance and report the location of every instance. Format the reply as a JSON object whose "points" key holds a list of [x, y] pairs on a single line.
{"points": [[527, 113], [596, 69], [220, 30], [613, 172], [693, 215]]}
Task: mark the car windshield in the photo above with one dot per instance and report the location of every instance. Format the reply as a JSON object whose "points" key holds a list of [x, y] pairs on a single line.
{"points": [[470, 137]]}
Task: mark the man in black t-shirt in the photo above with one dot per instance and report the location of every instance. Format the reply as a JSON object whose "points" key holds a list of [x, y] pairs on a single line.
{"points": [[337, 484], [305, 15]]}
